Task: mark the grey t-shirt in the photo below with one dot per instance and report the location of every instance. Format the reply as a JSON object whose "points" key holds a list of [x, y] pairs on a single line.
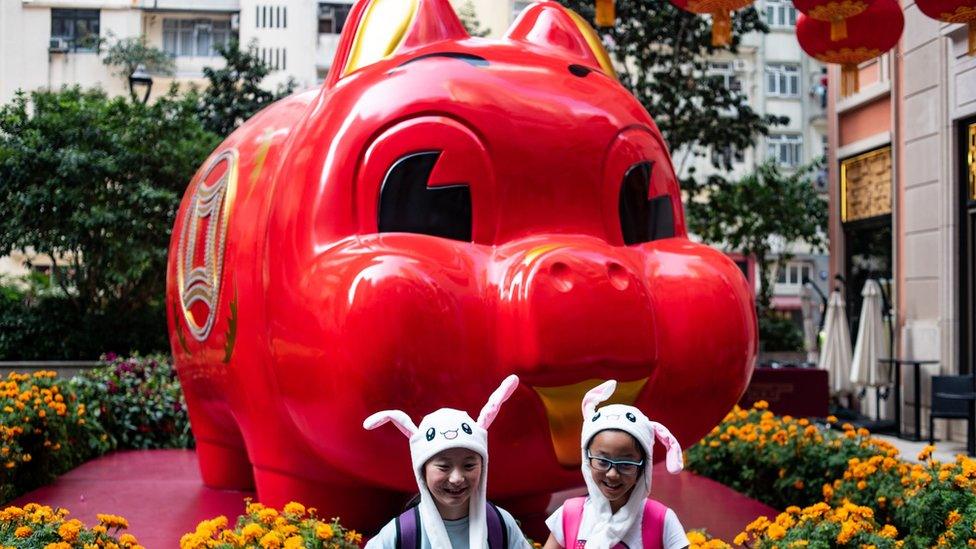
{"points": [[457, 531]]}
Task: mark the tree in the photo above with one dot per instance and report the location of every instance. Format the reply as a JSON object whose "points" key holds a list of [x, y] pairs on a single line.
{"points": [[760, 215], [127, 54], [98, 180], [469, 18], [662, 54], [234, 92]]}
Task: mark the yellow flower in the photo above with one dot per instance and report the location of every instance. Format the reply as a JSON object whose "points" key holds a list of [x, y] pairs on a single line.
{"points": [[776, 532], [953, 518], [252, 531], [23, 532], [740, 539], [294, 542], [889, 532], [295, 508], [926, 452], [696, 537], [353, 537], [271, 540], [324, 531], [69, 530]]}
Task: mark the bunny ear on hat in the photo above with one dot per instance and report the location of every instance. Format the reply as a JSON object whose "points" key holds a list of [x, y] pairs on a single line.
{"points": [[495, 401], [400, 419], [596, 395], [675, 461]]}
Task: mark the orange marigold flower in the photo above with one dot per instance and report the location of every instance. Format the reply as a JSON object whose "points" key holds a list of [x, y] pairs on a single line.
{"points": [[23, 532], [324, 531], [353, 537]]}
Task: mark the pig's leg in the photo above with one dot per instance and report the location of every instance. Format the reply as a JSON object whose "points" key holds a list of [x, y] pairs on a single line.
{"points": [[221, 452]]}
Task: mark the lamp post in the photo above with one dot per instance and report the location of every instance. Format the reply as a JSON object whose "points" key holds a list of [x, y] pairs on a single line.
{"points": [[140, 79]]}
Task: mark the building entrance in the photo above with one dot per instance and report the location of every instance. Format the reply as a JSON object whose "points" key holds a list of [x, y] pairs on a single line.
{"points": [[967, 246]]}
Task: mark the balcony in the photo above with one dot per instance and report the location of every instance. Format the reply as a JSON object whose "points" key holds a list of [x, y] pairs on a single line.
{"points": [[206, 6], [326, 50]]}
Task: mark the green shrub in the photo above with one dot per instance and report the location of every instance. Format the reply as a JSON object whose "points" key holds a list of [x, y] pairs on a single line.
{"points": [[138, 400]]}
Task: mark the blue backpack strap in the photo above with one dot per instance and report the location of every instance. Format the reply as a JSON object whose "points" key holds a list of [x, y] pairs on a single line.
{"points": [[407, 534], [497, 531]]}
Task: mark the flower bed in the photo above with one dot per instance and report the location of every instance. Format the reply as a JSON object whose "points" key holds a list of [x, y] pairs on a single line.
{"points": [[44, 431], [138, 401], [855, 489], [294, 527], [38, 526]]}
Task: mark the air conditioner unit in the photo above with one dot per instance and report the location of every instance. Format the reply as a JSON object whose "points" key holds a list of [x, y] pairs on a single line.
{"points": [[739, 65], [58, 45], [235, 21]]}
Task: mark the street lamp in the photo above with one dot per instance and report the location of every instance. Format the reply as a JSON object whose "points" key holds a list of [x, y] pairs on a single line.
{"points": [[138, 79]]}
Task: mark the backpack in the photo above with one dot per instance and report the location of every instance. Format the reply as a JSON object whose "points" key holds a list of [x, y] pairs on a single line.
{"points": [[408, 535], [652, 524]]}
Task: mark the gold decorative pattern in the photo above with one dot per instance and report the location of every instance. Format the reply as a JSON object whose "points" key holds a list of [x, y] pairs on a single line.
{"points": [[971, 161], [713, 6], [200, 260], [834, 11], [848, 56], [381, 31], [963, 14], [865, 185]]}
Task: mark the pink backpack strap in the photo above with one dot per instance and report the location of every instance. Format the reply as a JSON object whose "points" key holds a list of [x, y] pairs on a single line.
{"points": [[652, 524], [572, 517]]}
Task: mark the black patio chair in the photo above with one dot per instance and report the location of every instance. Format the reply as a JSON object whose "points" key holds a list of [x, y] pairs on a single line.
{"points": [[949, 401]]}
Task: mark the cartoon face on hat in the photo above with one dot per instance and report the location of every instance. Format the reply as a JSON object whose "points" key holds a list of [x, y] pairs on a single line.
{"points": [[441, 430]]}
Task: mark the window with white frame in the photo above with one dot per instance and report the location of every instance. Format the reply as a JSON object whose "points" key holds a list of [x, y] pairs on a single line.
{"points": [[783, 80], [785, 149], [725, 71], [518, 6], [77, 30], [794, 273], [780, 13], [332, 17], [195, 37]]}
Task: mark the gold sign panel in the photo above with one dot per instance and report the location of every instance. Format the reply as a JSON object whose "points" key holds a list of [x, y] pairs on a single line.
{"points": [[865, 185], [971, 161]]}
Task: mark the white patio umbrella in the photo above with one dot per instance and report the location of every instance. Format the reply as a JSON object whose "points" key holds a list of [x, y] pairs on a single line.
{"points": [[872, 341], [835, 357], [871, 345]]}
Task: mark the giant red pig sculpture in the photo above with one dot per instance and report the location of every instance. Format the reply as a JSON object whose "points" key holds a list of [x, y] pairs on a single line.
{"points": [[444, 212]]}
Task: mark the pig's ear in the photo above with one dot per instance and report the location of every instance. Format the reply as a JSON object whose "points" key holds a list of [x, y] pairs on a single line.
{"points": [[495, 401], [562, 31], [378, 29], [597, 395], [400, 419], [674, 459]]}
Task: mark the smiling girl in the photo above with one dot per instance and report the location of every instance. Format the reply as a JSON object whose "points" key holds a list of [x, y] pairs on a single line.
{"points": [[617, 445], [449, 452]]}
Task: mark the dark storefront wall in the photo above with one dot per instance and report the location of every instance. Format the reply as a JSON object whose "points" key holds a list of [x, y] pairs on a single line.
{"points": [[967, 244]]}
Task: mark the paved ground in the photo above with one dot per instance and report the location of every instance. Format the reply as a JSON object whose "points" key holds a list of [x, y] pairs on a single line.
{"points": [[944, 450], [161, 495]]}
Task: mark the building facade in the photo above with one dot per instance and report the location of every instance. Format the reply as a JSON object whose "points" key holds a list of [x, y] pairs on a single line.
{"points": [[903, 194]]}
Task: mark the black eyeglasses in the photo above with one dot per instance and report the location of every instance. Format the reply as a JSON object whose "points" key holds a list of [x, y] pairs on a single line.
{"points": [[626, 468]]}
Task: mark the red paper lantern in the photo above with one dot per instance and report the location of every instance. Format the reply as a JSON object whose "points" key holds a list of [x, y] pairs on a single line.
{"points": [[721, 12], [835, 12], [869, 34], [953, 11]]}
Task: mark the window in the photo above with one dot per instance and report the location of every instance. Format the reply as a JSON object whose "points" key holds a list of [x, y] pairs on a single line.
{"points": [[794, 273], [786, 149], [518, 6], [332, 17], [783, 80], [724, 70], [780, 13], [195, 37], [270, 17], [275, 58], [77, 29]]}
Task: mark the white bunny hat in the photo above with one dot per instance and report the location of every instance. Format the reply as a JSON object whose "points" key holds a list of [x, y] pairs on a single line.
{"points": [[610, 527], [441, 430]]}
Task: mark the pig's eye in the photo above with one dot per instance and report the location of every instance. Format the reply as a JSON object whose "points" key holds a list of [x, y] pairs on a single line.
{"points": [[408, 205], [643, 220], [466, 428]]}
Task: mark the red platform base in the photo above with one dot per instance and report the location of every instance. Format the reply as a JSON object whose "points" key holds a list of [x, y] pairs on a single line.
{"points": [[162, 496]]}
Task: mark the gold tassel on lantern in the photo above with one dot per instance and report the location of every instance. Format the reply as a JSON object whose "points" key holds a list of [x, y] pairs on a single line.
{"points": [[721, 28], [848, 79], [605, 13], [838, 29]]}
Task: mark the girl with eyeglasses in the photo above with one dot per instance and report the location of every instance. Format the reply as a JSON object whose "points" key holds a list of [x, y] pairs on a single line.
{"points": [[617, 446]]}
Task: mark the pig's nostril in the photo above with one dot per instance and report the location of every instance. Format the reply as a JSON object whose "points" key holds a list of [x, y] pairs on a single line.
{"points": [[562, 277], [619, 278]]}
